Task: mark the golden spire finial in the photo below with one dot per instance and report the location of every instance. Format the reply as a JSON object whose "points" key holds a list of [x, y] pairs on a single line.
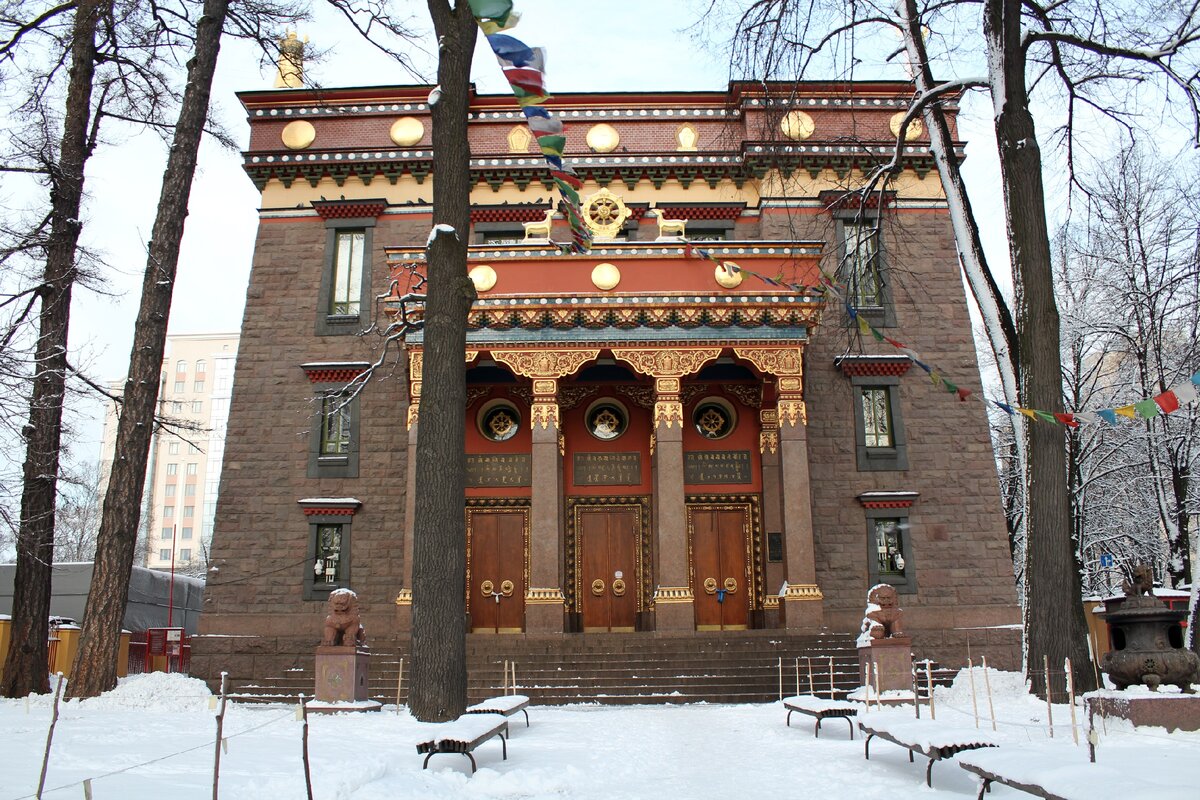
{"points": [[290, 74]]}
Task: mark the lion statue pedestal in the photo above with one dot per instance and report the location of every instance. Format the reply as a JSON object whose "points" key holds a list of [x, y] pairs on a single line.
{"points": [[882, 644], [342, 657]]}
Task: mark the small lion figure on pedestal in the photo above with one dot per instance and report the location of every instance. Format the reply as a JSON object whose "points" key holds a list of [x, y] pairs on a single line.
{"points": [[342, 625], [882, 618], [1142, 582]]}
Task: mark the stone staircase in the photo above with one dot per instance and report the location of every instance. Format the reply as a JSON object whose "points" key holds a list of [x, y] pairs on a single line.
{"points": [[614, 669]]}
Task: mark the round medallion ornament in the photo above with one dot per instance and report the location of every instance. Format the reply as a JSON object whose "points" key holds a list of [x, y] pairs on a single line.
{"points": [[731, 585], [298, 135], [606, 421], [605, 213], [797, 125], [603, 138], [483, 276], [618, 587], [506, 588], [487, 588], [728, 278], [605, 277], [499, 423], [915, 128], [598, 587], [710, 585], [407, 131], [713, 420]]}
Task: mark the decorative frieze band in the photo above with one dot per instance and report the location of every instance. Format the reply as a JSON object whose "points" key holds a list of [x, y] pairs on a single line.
{"points": [[552, 596], [801, 591], [673, 594]]}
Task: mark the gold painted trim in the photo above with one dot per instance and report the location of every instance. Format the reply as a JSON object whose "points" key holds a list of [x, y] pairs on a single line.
{"points": [[802, 591], [298, 134], [544, 597], [406, 131], [673, 594], [770, 601], [404, 597]]}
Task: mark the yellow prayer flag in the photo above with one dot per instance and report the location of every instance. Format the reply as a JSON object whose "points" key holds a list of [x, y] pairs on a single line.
{"points": [[1127, 411], [1029, 412]]}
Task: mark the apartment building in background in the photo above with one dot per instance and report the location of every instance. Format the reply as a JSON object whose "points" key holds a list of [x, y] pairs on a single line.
{"points": [[184, 469]]}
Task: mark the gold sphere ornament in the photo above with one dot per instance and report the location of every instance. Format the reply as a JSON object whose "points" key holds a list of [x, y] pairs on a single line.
{"points": [[407, 131], [603, 138], [915, 127], [605, 277], [730, 278], [483, 276], [797, 125], [298, 135]]}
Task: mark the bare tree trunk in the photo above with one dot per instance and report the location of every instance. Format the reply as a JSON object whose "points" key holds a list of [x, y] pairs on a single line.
{"points": [[25, 668], [439, 673], [1054, 622], [95, 668]]}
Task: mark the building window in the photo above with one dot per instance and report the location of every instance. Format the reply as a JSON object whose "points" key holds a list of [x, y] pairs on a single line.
{"points": [[168, 533], [189, 511], [164, 554], [889, 549], [179, 387], [168, 512], [197, 386], [334, 452], [328, 564], [862, 263], [774, 546], [177, 407], [169, 490], [191, 468], [185, 555], [172, 469], [201, 367], [186, 533], [188, 490], [879, 428], [346, 283], [173, 448], [607, 420], [181, 366]]}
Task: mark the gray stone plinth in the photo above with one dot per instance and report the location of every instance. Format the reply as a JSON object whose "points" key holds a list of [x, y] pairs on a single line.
{"points": [[1170, 711], [891, 658]]}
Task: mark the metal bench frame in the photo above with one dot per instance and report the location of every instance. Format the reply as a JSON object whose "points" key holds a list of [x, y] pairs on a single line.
{"points": [[933, 753], [829, 713], [507, 712], [448, 745]]}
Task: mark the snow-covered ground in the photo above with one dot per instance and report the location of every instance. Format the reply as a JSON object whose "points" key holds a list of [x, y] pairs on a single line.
{"points": [[153, 737]]}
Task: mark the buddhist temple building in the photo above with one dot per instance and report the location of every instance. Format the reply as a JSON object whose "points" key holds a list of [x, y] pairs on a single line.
{"points": [[658, 443]]}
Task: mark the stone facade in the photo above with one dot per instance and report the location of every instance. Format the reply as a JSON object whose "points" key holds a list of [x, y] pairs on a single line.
{"points": [[263, 609]]}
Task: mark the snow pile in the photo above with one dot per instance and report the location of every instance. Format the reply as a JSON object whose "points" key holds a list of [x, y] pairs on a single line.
{"points": [[154, 691]]}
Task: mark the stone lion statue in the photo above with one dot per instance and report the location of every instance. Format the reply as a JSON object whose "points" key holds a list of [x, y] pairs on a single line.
{"points": [[1142, 582], [882, 618], [342, 624]]}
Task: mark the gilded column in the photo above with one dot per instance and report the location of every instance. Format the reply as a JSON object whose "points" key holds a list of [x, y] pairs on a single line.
{"points": [[673, 596], [404, 594], [544, 600], [802, 599]]}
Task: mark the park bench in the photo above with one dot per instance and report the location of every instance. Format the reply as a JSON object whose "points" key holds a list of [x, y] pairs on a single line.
{"points": [[821, 709], [928, 737], [508, 705], [463, 735], [1056, 776]]}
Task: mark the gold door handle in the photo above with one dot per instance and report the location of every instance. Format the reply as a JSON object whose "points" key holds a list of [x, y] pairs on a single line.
{"points": [[731, 585], [487, 588], [618, 587], [506, 588], [598, 587], [710, 585]]}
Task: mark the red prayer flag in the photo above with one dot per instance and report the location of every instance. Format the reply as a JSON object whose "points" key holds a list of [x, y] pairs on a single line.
{"points": [[1167, 401], [963, 394], [1067, 419]]}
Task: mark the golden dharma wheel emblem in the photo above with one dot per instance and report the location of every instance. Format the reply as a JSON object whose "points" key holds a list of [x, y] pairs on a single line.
{"points": [[605, 213], [731, 585], [598, 587], [618, 587], [605, 277], [728, 278], [797, 125], [407, 131], [710, 585], [483, 276], [603, 138], [298, 135], [506, 588], [915, 128], [487, 588]]}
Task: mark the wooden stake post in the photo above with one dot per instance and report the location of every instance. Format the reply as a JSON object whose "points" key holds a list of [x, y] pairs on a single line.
{"points": [[50, 735], [220, 723]]}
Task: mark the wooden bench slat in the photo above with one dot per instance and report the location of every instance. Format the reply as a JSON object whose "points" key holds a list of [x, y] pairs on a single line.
{"points": [[462, 736]]}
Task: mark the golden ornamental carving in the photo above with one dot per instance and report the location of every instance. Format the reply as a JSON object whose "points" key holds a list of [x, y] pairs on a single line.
{"points": [[544, 414], [618, 587], [545, 363], [562, 444], [769, 417], [914, 130], [605, 213], [653, 442], [404, 597], [545, 386], [710, 585], [686, 138], [484, 277], [506, 588], [416, 364], [673, 363], [413, 409], [728, 278], [747, 395], [774, 360], [802, 591], [668, 412], [793, 411], [519, 139], [768, 441], [544, 597], [298, 135], [407, 131], [771, 601], [797, 125], [606, 277], [603, 138], [673, 594]]}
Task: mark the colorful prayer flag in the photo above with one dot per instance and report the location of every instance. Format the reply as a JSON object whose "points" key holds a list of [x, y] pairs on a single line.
{"points": [[1126, 411], [1167, 401], [1147, 409]]}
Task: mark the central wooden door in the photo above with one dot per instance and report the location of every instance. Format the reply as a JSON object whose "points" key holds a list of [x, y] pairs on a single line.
{"points": [[608, 577], [721, 582], [496, 570]]}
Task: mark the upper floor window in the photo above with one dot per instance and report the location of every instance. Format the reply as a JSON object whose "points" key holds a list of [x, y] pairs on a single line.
{"points": [[862, 263], [181, 366], [347, 273], [335, 425], [201, 367], [877, 417]]}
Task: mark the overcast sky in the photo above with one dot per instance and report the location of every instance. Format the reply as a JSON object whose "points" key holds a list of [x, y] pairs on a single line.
{"points": [[587, 51]]}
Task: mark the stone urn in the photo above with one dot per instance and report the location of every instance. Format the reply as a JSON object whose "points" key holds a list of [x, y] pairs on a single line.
{"points": [[1147, 645]]}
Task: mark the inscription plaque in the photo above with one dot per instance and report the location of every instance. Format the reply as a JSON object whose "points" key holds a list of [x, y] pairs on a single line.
{"points": [[498, 469], [717, 466], [608, 469]]}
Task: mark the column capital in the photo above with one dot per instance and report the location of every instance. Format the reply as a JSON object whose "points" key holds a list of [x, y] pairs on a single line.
{"points": [[787, 364], [416, 369]]}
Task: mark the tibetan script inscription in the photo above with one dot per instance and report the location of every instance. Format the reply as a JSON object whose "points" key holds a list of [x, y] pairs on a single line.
{"points": [[608, 469], [498, 469], [717, 466]]}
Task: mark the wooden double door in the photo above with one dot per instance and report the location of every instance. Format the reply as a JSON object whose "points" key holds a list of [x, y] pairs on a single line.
{"points": [[721, 575], [497, 568], [608, 566]]}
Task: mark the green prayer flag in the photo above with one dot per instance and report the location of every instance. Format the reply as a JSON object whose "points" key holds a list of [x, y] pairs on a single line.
{"points": [[1147, 409], [1046, 417], [491, 9]]}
